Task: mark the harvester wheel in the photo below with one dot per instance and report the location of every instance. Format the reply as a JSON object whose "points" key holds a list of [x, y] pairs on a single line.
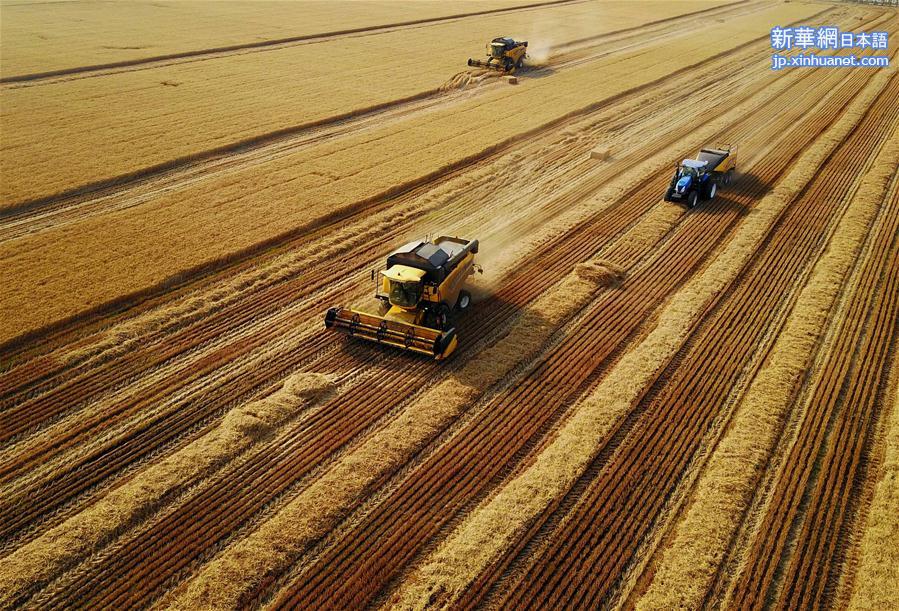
{"points": [[519, 63], [692, 199], [443, 317], [464, 301]]}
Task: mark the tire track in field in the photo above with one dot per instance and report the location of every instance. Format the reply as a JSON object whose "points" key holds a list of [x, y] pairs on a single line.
{"points": [[530, 281], [618, 509], [385, 545], [809, 516]]}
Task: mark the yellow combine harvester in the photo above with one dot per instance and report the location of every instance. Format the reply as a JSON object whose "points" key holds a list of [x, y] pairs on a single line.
{"points": [[503, 54], [419, 291]]}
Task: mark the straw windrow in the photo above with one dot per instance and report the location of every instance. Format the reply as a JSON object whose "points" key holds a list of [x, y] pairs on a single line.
{"points": [[34, 564], [495, 525], [725, 488]]}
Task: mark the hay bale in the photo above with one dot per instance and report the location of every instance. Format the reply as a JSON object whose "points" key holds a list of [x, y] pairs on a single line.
{"points": [[602, 153], [513, 80], [600, 273]]}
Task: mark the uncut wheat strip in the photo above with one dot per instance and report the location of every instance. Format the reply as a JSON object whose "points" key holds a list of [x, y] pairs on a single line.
{"points": [[594, 210], [375, 163], [277, 542], [32, 565], [876, 582], [494, 525], [126, 331], [686, 567]]}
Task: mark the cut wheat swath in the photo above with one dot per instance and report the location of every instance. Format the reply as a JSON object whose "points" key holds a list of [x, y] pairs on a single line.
{"points": [[687, 566], [446, 573], [282, 539], [876, 584], [32, 565]]}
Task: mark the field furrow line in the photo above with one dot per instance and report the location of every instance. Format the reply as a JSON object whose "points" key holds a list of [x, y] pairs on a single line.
{"points": [[597, 348], [849, 380], [523, 491], [688, 562], [619, 508]]}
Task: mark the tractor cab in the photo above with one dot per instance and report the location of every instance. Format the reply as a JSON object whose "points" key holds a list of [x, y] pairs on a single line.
{"points": [[691, 167]]}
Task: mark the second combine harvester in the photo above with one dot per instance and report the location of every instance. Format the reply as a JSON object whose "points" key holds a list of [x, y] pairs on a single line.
{"points": [[419, 291]]}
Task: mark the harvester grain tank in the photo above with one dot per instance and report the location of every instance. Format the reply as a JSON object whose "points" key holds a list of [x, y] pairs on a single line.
{"points": [[503, 54], [700, 178], [419, 291]]}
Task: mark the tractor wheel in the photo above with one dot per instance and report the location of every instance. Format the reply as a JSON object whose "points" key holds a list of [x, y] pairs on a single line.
{"points": [[668, 195], [712, 190], [464, 301], [692, 199]]}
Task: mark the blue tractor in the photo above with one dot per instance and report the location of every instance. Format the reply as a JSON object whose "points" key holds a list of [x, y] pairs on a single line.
{"points": [[696, 179]]}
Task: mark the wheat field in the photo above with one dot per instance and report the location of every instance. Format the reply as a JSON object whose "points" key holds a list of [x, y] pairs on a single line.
{"points": [[651, 406]]}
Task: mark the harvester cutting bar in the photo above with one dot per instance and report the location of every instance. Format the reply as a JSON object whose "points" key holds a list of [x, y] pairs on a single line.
{"points": [[414, 338], [480, 63]]}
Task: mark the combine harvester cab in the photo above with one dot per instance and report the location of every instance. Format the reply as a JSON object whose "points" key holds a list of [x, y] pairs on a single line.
{"points": [[700, 178], [418, 291], [503, 54]]}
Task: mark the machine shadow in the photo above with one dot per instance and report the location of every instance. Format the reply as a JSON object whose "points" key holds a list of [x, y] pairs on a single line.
{"points": [[472, 337], [535, 72]]}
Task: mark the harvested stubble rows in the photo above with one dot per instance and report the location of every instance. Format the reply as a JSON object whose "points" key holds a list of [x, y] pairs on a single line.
{"points": [[260, 334], [210, 447]]}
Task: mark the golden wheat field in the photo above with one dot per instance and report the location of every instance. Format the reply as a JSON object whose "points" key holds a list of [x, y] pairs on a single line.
{"points": [[652, 405]]}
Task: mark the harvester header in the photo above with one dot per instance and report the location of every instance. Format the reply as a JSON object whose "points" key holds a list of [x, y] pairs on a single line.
{"points": [[419, 291]]}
